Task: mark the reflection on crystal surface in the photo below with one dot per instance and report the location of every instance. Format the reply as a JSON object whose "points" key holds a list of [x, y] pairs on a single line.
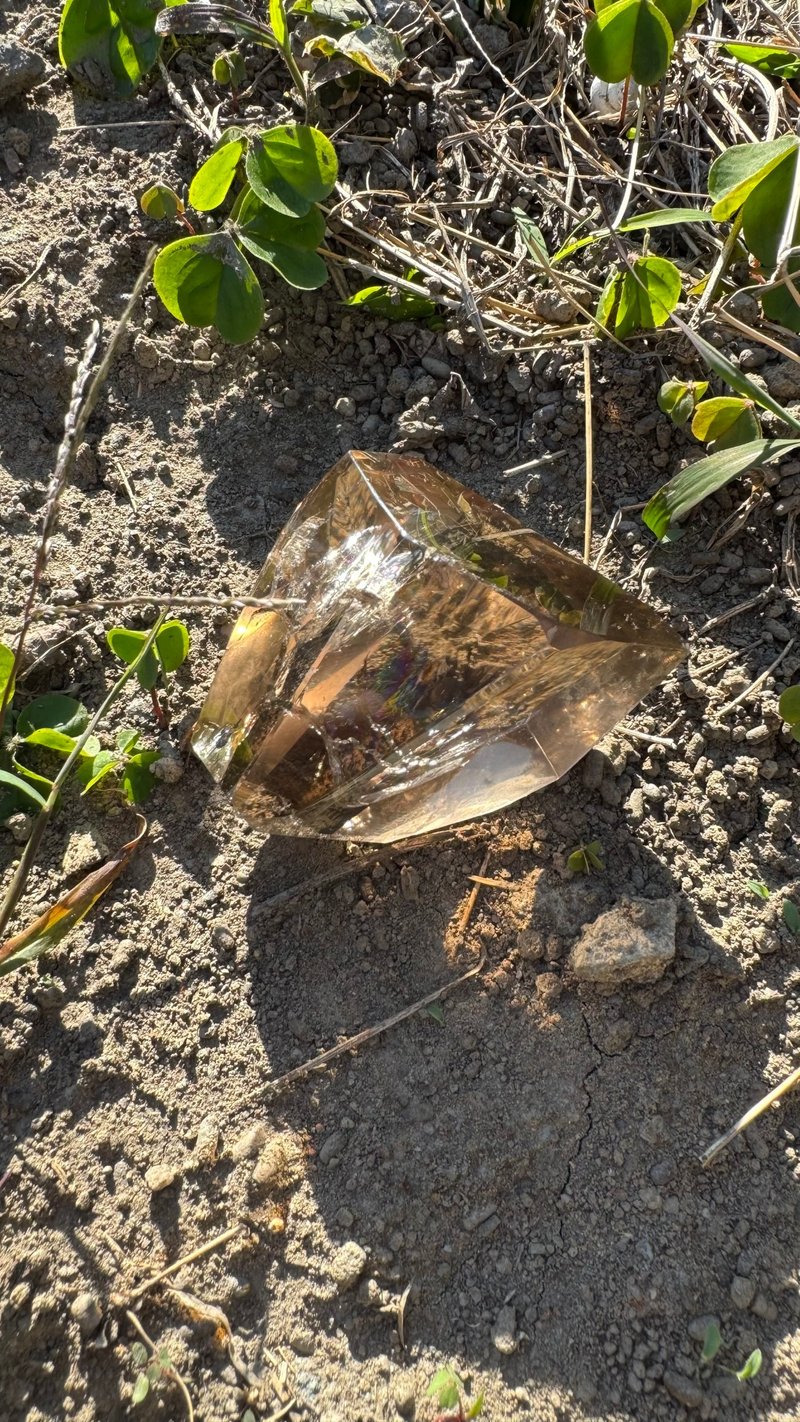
{"points": [[438, 663]]}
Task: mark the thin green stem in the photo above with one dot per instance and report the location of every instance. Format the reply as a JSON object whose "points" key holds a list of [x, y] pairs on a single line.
{"points": [[720, 266], [17, 886]]}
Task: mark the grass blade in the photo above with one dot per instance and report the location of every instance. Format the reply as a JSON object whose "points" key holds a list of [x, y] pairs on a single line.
{"points": [[662, 217], [707, 475], [59, 920], [733, 376]]}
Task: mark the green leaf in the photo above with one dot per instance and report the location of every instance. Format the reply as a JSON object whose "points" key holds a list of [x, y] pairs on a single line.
{"points": [[675, 499], [641, 299], [164, 1358], [278, 23], [102, 765], [445, 1386], [676, 12], [712, 1343], [393, 303], [347, 13], [139, 1354], [374, 49], [229, 68], [205, 281], [766, 215], [172, 645], [662, 217], [21, 787], [733, 376], [291, 167], [126, 643], [791, 916], [52, 740], [160, 201], [629, 38], [117, 39], [738, 171], [751, 1366], [140, 1389], [435, 1010], [756, 887], [677, 398], [789, 705], [477, 1407], [211, 183], [138, 780], [126, 739], [288, 244], [6, 664], [766, 58], [53, 712], [726, 420]]}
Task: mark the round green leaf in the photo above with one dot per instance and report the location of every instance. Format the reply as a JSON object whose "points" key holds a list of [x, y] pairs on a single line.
{"points": [[287, 243], [140, 1389], [677, 12], [126, 643], [734, 175], [205, 281], [160, 201], [53, 712], [113, 42], [789, 705], [768, 59], [172, 645], [641, 299], [631, 38], [291, 167], [21, 787], [212, 180], [229, 68], [714, 418]]}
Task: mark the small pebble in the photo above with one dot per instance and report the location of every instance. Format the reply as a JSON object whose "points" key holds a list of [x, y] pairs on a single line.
{"points": [[159, 1177], [87, 1313], [206, 1147], [684, 1390], [504, 1333], [743, 1291], [345, 407], [348, 1265], [249, 1143]]}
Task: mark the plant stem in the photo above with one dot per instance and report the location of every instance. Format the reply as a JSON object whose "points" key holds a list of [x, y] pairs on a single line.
{"points": [[629, 181], [720, 266], [17, 885], [171, 1371]]}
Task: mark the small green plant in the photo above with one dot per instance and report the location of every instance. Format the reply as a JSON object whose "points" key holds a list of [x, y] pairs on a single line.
{"points": [[789, 709], [757, 185], [756, 887], [791, 916], [107, 42], [282, 174], [712, 1343], [587, 858], [448, 1391], [639, 298], [153, 1369], [169, 651], [634, 39]]}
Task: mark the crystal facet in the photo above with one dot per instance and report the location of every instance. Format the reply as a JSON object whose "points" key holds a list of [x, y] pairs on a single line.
{"points": [[439, 661]]}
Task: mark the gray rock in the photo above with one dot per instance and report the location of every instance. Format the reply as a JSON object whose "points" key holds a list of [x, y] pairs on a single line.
{"points": [[332, 1147], [684, 1390], [743, 1291], [348, 1265], [159, 1177], [632, 943], [87, 1313], [783, 379], [504, 1333], [249, 1143], [206, 1147], [20, 69]]}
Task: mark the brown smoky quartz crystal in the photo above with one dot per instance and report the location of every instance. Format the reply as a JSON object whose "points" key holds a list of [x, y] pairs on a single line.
{"points": [[436, 661]]}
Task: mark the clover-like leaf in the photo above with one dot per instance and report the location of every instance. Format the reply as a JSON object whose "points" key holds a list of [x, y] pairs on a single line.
{"points": [[630, 38], [375, 49], [641, 299], [288, 244], [172, 645], [53, 712], [445, 1387], [725, 421], [115, 40], [211, 183], [205, 281], [291, 167], [677, 398]]}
